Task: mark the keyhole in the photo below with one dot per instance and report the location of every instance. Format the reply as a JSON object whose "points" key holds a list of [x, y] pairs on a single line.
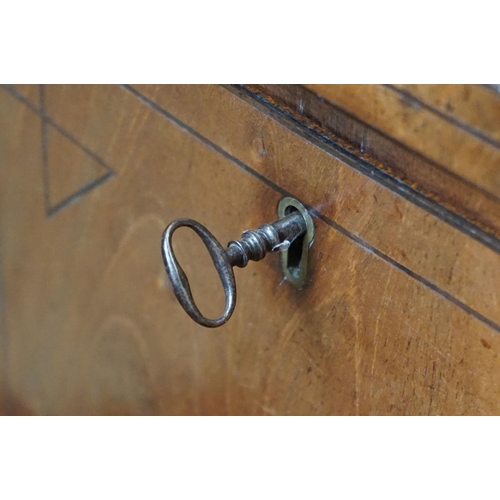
{"points": [[294, 254], [294, 260]]}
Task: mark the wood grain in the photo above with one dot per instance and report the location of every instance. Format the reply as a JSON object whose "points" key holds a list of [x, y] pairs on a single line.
{"points": [[396, 164], [93, 327], [421, 129], [69, 168], [406, 234], [475, 106], [29, 92]]}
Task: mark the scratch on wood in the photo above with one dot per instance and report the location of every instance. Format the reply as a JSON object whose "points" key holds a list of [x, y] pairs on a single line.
{"points": [[357, 359], [377, 322], [287, 333], [311, 360], [268, 410]]}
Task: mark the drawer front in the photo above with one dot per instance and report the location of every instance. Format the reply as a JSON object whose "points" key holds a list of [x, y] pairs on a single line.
{"points": [[400, 314]]}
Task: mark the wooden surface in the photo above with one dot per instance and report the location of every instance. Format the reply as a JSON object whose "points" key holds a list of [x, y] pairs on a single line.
{"points": [[400, 316], [466, 151], [408, 170], [475, 108]]}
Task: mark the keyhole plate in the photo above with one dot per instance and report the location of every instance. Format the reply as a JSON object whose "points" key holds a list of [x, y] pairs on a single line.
{"points": [[295, 258]]}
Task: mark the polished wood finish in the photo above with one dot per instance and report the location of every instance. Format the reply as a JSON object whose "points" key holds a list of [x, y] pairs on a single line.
{"points": [[474, 107], [398, 163], [400, 316], [468, 155], [375, 216]]}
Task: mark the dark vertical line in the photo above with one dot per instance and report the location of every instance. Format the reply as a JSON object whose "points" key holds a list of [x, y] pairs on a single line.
{"points": [[45, 162], [46, 123], [21, 97]]}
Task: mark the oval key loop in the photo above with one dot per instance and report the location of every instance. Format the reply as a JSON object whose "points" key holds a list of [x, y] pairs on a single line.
{"points": [[180, 282], [253, 245]]}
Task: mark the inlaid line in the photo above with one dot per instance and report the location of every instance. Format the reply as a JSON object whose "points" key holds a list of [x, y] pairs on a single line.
{"points": [[363, 166], [45, 165], [356, 239], [260, 96], [457, 122], [46, 121], [79, 194]]}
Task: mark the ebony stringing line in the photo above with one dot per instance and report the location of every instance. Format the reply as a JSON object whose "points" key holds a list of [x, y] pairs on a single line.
{"points": [[46, 121], [402, 145], [356, 239], [469, 129], [270, 184], [361, 165], [45, 166]]}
